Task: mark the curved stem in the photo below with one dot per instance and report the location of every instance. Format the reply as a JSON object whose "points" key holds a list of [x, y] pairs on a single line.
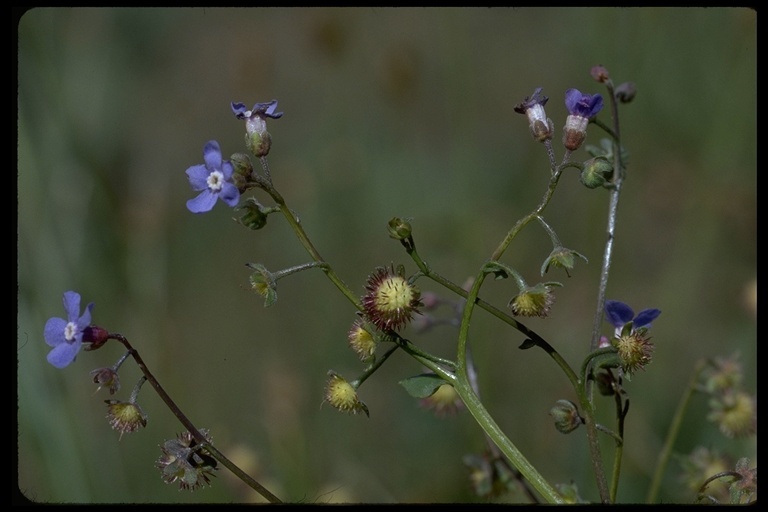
{"points": [[307, 243], [492, 430], [242, 475]]}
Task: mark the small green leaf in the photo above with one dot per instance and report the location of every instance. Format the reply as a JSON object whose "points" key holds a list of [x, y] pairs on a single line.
{"points": [[422, 386], [270, 298]]}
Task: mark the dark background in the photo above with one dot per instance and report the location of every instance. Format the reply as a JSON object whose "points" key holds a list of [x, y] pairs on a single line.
{"points": [[405, 112]]}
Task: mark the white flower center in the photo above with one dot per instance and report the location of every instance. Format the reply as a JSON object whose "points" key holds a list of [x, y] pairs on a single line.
{"points": [[215, 181], [69, 331]]}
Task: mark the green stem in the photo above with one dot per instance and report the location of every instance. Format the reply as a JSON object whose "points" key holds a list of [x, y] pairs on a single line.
{"points": [[373, 367], [674, 430], [621, 414], [307, 243], [492, 430]]}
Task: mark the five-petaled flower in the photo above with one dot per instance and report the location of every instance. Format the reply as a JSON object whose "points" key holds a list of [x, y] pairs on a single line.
{"points": [[213, 179], [66, 336], [581, 108]]}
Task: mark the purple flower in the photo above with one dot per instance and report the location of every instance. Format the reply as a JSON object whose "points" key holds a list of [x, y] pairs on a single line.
{"points": [[259, 109], [619, 315], [214, 180], [583, 105], [66, 336]]}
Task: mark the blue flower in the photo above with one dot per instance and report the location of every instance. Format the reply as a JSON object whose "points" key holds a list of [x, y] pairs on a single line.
{"points": [[213, 179], [259, 109], [583, 105], [66, 336], [619, 315]]}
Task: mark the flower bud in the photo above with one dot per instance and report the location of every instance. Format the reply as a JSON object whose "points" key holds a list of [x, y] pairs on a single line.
{"points": [[600, 74], [596, 173], [94, 337], [255, 216], [399, 229], [626, 92], [242, 171], [566, 416]]}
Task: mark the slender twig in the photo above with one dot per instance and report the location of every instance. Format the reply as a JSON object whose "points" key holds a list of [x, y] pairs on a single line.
{"points": [[242, 475]]}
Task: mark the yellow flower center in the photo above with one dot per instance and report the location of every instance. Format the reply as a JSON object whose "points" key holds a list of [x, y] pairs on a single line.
{"points": [[394, 294]]}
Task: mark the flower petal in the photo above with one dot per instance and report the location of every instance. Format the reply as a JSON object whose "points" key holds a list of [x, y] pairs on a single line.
{"points": [[595, 105], [238, 109], [212, 155], [85, 320], [229, 194], [227, 170], [618, 313], [645, 317], [202, 203], [270, 112], [198, 177], [54, 331], [62, 355], [72, 305], [572, 98]]}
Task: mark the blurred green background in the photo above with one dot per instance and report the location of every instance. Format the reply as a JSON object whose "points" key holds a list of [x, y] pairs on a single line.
{"points": [[388, 112]]}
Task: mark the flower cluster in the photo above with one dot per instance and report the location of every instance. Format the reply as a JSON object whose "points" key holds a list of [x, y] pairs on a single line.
{"points": [[186, 462], [581, 109]]}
